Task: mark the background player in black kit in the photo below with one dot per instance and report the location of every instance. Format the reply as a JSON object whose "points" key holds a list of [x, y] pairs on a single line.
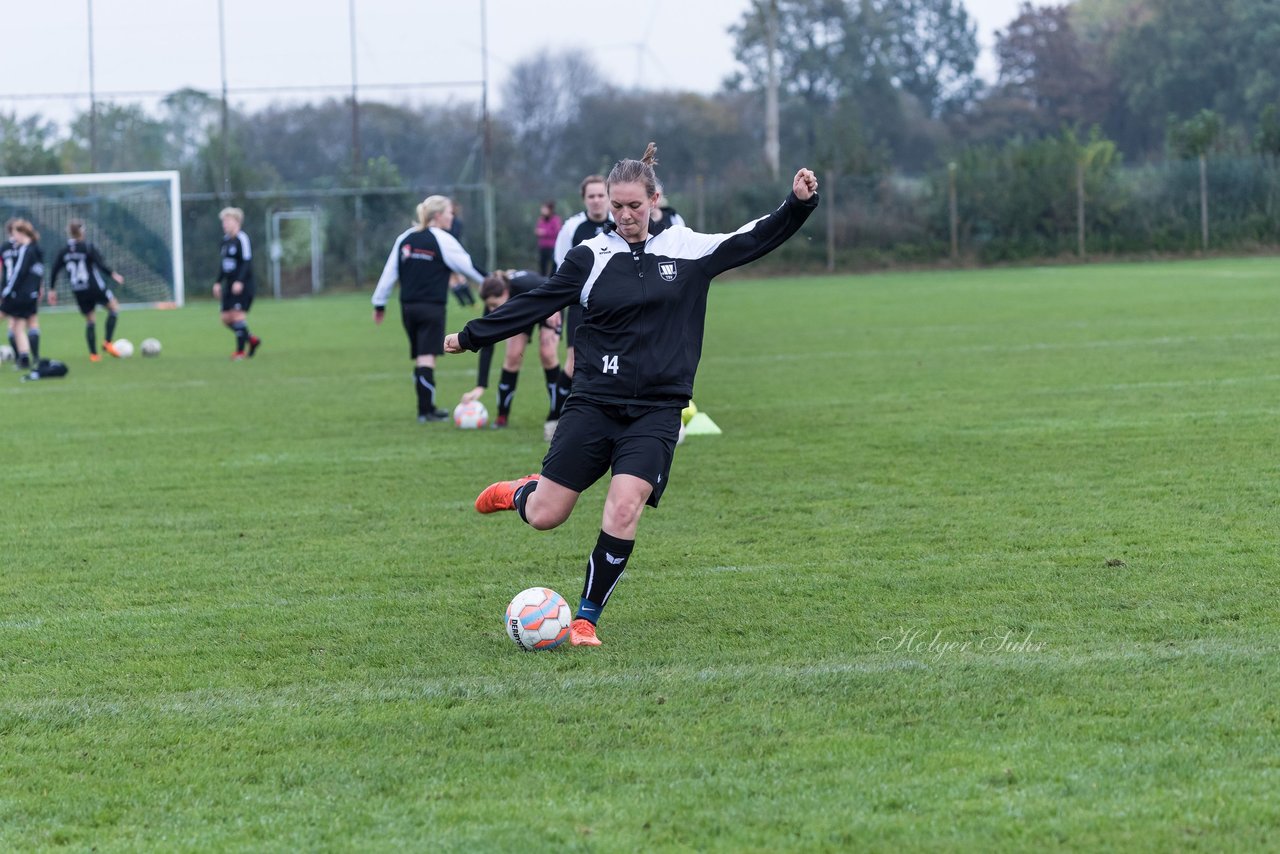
{"points": [[458, 283], [8, 254], [422, 261], [20, 294], [235, 282], [495, 290], [644, 301], [663, 215], [85, 269], [583, 225]]}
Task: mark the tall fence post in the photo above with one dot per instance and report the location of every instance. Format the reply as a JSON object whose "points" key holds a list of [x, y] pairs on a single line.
{"points": [[1204, 203], [1080, 208], [358, 261], [953, 212], [831, 222], [700, 201]]}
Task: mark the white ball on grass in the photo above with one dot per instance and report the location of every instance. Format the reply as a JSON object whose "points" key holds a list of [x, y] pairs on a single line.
{"points": [[470, 415], [538, 618]]}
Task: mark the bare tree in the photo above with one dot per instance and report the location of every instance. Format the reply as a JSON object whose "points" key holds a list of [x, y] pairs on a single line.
{"points": [[542, 97]]}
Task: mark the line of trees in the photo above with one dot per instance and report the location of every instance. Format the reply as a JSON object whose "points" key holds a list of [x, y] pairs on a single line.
{"points": [[1113, 126]]}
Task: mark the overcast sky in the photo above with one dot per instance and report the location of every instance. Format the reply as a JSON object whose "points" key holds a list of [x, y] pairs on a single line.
{"points": [[162, 45]]}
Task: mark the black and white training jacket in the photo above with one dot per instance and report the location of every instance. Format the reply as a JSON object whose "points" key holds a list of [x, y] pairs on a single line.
{"points": [[84, 265], [668, 217], [421, 261], [7, 256], [24, 273], [644, 306], [575, 230], [237, 262]]}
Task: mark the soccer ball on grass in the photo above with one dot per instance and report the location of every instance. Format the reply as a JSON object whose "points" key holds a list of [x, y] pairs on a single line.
{"points": [[7, 354], [124, 347], [150, 347], [538, 618], [471, 415]]}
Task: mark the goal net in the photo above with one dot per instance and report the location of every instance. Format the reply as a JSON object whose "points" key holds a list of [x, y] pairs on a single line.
{"points": [[134, 218]]}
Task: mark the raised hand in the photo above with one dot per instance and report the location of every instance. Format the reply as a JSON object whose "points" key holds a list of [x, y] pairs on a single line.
{"points": [[804, 185]]}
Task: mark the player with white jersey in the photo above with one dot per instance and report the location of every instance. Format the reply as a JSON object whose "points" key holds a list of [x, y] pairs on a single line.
{"points": [[86, 271], [422, 260]]}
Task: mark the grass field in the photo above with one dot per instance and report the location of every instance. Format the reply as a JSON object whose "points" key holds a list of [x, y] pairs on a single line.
{"points": [[983, 560]]}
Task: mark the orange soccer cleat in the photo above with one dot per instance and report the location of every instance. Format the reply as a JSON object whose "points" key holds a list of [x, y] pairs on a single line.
{"points": [[583, 633], [111, 348], [94, 357], [501, 495]]}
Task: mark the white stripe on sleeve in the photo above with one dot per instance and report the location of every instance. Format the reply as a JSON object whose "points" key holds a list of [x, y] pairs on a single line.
{"points": [[390, 273]]}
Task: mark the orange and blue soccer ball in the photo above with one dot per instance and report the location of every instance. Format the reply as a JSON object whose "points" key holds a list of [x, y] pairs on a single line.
{"points": [[538, 618], [470, 415]]}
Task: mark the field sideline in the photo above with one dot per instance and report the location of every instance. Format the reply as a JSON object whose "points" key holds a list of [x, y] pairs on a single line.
{"points": [[983, 560]]}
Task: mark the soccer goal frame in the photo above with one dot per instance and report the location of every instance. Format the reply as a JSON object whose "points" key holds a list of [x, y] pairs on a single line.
{"points": [[173, 187]]}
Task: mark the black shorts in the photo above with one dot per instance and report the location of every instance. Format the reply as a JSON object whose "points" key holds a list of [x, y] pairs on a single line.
{"points": [[91, 298], [532, 331], [236, 302], [424, 324], [19, 308], [572, 318], [594, 437]]}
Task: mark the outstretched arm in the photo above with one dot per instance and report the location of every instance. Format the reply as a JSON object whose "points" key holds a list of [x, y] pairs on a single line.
{"points": [[523, 310], [387, 281], [720, 252]]}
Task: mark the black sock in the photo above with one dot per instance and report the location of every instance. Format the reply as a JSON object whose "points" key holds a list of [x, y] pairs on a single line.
{"points": [[111, 327], [13, 342], [606, 565], [424, 380], [91, 337], [241, 329], [506, 392], [522, 496], [552, 376], [463, 292], [33, 337], [562, 393]]}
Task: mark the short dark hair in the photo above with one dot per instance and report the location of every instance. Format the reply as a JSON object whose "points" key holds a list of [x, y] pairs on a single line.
{"points": [[494, 285], [591, 179]]}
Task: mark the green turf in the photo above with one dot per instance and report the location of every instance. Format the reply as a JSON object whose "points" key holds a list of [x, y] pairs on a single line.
{"points": [[983, 560]]}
